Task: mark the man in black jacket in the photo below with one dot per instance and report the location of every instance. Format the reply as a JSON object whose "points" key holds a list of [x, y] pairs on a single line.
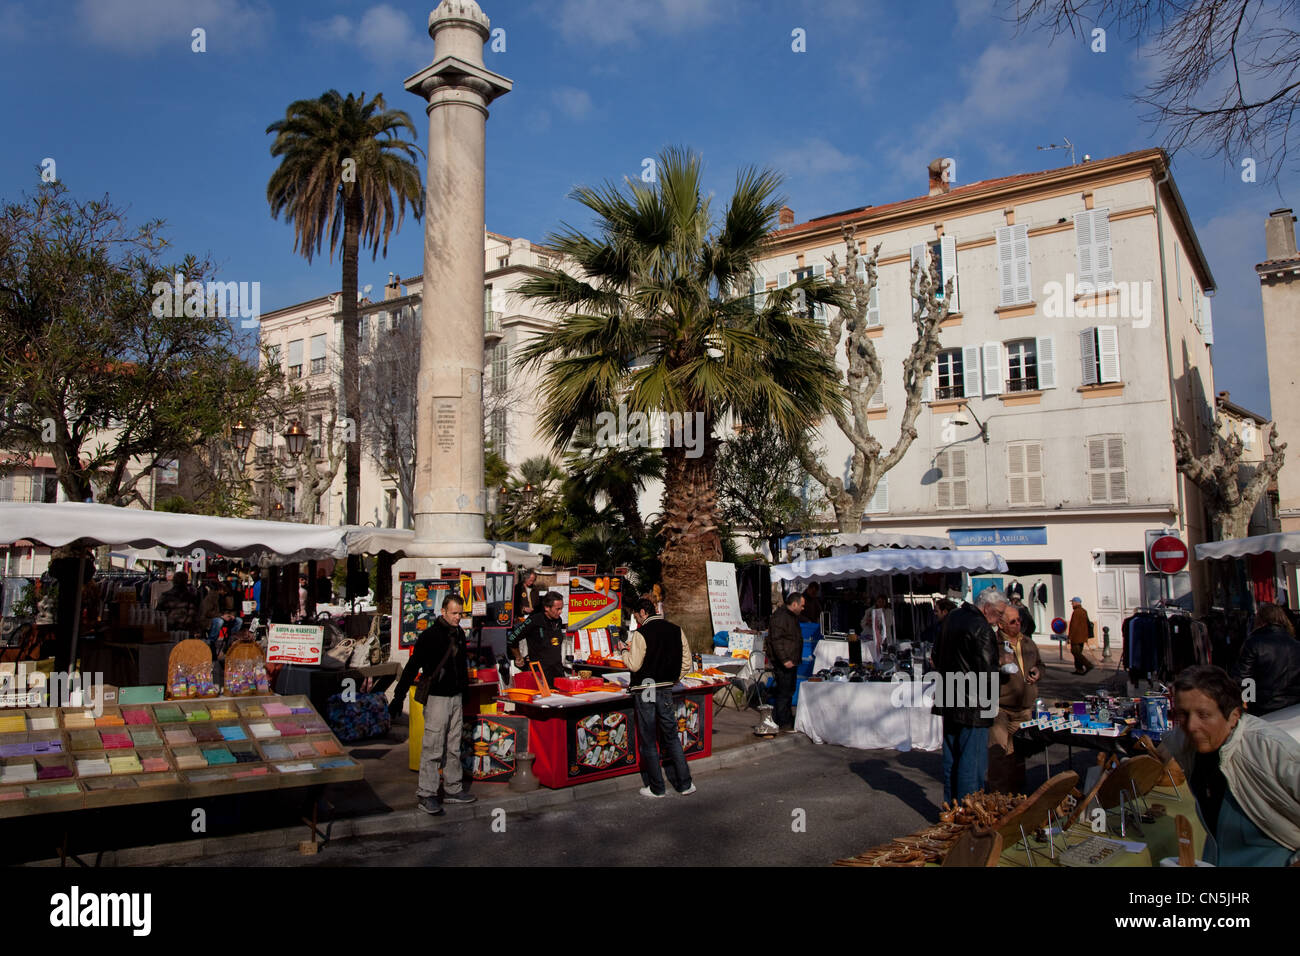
{"points": [[784, 649], [544, 632], [967, 696], [1270, 658], [440, 658], [657, 654]]}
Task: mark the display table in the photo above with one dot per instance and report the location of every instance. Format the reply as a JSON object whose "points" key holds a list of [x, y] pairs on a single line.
{"points": [[863, 716], [593, 736], [829, 649], [62, 759]]}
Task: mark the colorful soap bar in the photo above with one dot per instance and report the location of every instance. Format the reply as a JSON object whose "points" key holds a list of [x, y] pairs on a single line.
{"points": [[93, 767], [189, 761], [116, 741], [196, 714], [138, 716], [167, 714], [154, 764], [45, 723], [335, 763], [53, 773], [295, 767], [18, 772], [215, 756], [13, 724], [110, 720], [207, 734], [326, 748], [246, 756], [263, 729], [145, 737], [17, 750], [234, 732], [78, 721], [302, 749], [250, 772], [85, 740], [300, 710], [253, 711], [52, 790], [178, 736], [289, 728], [126, 763], [277, 710], [222, 713], [277, 752]]}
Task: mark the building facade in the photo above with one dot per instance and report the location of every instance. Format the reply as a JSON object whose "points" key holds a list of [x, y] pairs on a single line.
{"points": [[1080, 335]]}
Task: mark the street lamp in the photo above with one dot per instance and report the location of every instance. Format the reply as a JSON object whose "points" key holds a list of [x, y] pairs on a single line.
{"points": [[240, 435], [296, 438], [961, 422]]}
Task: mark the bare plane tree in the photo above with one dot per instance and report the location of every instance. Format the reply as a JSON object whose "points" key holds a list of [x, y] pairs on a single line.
{"points": [[864, 374], [1230, 499], [390, 372], [1230, 77]]}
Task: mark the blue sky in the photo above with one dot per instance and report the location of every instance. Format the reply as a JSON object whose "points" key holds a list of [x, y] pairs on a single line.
{"points": [[111, 90]]}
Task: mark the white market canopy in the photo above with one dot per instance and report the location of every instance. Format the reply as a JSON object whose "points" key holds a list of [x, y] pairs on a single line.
{"points": [[92, 525], [878, 539], [888, 561], [1286, 546]]}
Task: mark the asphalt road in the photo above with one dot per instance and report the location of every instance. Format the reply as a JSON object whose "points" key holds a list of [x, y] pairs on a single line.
{"points": [[805, 806]]}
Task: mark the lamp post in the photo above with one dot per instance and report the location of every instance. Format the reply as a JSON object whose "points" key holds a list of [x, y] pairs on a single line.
{"points": [[295, 437], [961, 421]]}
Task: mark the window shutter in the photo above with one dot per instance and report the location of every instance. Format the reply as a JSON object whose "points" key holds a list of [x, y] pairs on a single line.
{"points": [[1207, 322], [927, 386], [295, 352], [1103, 274], [1083, 245], [880, 497], [1020, 252], [1045, 348], [782, 280], [992, 368], [1088, 355], [317, 347], [1178, 273], [1016, 474], [1006, 267], [1108, 346], [918, 255], [877, 397], [948, 263], [970, 367], [1033, 473], [1098, 486], [1118, 473], [819, 272], [943, 486], [873, 308], [958, 458]]}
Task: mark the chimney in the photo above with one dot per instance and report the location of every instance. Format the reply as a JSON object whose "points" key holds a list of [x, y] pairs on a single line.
{"points": [[938, 183], [1223, 396], [394, 288], [786, 216], [1279, 235]]}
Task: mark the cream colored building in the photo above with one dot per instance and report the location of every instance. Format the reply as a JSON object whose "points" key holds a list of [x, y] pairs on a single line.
{"points": [[1078, 392], [307, 340]]}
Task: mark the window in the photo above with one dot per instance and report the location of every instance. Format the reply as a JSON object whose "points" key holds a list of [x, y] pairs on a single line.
{"points": [[951, 486], [949, 368], [877, 397], [817, 310], [879, 502], [295, 358], [1204, 320], [1022, 366], [318, 433], [497, 431], [503, 262], [1107, 478], [757, 286], [1178, 272], [317, 354], [1092, 241], [273, 356], [1013, 266], [1099, 352], [290, 500], [390, 508], [363, 333], [944, 252], [500, 365], [1025, 473], [45, 487], [6, 487]]}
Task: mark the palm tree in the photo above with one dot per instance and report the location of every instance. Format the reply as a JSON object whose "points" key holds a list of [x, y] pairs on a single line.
{"points": [[342, 163], [618, 473], [661, 317]]}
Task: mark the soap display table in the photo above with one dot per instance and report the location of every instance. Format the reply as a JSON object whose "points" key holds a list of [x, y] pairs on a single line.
{"points": [[59, 759]]}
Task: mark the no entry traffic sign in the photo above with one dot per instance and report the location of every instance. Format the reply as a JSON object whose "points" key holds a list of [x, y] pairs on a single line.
{"points": [[1168, 555]]}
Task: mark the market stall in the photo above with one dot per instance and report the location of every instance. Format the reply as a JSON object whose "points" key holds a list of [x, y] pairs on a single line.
{"points": [[874, 713]]}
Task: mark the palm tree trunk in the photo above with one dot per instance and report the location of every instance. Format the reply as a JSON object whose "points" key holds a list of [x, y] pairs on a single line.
{"points": [[352, 211], [691, 539]]}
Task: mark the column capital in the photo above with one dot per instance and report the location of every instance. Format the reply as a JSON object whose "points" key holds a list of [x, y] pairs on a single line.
{"points": [[452, 71]]}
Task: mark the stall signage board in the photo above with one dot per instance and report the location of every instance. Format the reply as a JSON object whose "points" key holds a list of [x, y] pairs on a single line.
{"points": [[594, 602], [998, 537], [724, 600], [295, 644], [493, 597], [1168, 554], [421, 604]]}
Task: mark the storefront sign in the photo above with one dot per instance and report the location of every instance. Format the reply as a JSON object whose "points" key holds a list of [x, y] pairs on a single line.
{"points": [[724, 600], [295, 644], [995, 537], [594, 603]]}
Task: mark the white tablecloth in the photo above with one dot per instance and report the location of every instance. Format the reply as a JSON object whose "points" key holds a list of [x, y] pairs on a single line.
{"points": [[830, 648], [863, 716]]}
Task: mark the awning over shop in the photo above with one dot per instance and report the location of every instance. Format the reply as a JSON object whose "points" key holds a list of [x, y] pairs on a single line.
{"points": [[888, 561], [1285, 546], [875, 539]]}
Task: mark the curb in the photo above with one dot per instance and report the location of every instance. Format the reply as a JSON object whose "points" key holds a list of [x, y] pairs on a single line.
{"points": [[401, 822]]}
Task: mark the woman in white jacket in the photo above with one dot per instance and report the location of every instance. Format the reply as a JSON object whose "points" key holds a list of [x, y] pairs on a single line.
{"points": [[1244, 773]]}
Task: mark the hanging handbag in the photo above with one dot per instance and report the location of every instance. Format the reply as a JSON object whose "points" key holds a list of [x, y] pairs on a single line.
{"points": [[426, 680]]}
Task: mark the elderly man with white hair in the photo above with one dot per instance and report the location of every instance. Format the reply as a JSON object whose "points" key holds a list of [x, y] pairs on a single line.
{"points": [[966, 661]]}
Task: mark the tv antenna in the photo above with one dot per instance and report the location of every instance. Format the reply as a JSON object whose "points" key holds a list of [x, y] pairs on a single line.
{"points": [[1067, 145]]}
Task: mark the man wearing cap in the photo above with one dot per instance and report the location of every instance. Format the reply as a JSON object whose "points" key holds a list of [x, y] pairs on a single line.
{"points": [[1080, 631]]}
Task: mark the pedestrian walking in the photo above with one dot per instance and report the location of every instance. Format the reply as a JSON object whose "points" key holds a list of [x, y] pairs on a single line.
{"points": [[1080, 631], [440, 659], [657, 653], [784, 650]]}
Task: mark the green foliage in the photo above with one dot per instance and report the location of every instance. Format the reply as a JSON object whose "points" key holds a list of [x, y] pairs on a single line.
{"points": [[761, 485]]}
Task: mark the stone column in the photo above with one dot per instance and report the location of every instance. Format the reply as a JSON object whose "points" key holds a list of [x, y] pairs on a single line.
{"points": [[449, 494]]}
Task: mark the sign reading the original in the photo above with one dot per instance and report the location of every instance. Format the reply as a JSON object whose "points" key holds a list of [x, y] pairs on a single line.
{"points": [[295, 644], [984, 537]]}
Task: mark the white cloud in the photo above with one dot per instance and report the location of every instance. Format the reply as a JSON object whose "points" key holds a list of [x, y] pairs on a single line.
{"points": [[814, 158], [974, 12], [142, 26], [607, 22], [382, 34], [573, 103]]}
